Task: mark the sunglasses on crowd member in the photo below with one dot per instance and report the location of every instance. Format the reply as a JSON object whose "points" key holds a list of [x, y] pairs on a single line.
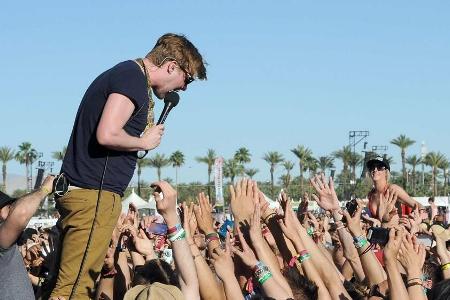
{"points": [[378, 168]]}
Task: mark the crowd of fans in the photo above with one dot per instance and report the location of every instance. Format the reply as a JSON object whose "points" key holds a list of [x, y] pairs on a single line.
{"points": [[190, 251]]}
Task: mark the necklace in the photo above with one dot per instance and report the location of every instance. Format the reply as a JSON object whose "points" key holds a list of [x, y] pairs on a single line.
{"points": [[151, 104]]}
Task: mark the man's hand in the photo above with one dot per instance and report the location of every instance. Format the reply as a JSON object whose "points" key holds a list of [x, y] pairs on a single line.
{"points": [[394, 244], [151, 138]]}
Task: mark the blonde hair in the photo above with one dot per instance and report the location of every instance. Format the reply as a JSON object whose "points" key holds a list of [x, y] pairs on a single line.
{"points": [[180, 49]]}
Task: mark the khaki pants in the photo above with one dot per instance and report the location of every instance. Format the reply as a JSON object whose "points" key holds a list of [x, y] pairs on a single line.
{"points": [[77, 210]]}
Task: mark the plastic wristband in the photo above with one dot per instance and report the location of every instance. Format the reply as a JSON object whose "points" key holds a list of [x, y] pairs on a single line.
{"points": [[304, 257], [293, 260], [210, 239], [310, 231], [264, 278], [359, 241], [178, 236], [174, 229], [213, 234], [445, 266]]}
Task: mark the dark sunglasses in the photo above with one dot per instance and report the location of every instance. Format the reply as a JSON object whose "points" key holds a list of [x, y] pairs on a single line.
{"points": [[379, 168], [188, 77]]}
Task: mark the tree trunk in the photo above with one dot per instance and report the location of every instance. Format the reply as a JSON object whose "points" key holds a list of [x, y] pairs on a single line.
{"points": [[176, 179], [158, 171], [139, 179], [271, 181], [4, 177], [403, 168], [301, 178]]}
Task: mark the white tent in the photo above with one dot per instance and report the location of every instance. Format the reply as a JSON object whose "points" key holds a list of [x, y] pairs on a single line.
{"points": [[136, 200], [439, 201]]}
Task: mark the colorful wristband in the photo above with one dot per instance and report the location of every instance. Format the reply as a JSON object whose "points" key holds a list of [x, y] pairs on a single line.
{"points": [[174, 229], [445, 266]]}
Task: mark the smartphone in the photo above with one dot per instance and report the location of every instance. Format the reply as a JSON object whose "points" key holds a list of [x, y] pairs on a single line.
{"points": [[378, 235], [351, 207], [223, 229], [157, 228]]}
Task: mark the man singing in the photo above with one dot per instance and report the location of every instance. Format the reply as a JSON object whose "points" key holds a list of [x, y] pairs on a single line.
{"points": [[114, 121]]}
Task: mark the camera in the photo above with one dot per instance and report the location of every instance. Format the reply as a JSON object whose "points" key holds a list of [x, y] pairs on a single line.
{"points": [[378, 235]]}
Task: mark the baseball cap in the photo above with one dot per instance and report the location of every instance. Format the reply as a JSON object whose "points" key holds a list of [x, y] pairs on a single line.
{"points": [[154, 291], [378, 161], [5, 199]]}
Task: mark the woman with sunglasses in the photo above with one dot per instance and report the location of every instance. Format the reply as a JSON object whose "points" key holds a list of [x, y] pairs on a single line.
{"points": [[384, 195]]}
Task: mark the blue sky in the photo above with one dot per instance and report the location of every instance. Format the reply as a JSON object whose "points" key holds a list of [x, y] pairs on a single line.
{"points": [[280, 73]]}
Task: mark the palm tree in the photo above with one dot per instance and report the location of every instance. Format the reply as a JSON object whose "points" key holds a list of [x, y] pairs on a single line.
{"points": [[356, 159], [59, 155], [177, 160], [303, 154], [312, 165], [434, 160], [141, 163], [251, 172], [27, 156], [288, 166], [158, 161], [209, 161], [273, 158], [6, 154], [403, 142], [444, 165], [345, 154], [231, 169], [413, 161], [326, 162], [242, 156]]}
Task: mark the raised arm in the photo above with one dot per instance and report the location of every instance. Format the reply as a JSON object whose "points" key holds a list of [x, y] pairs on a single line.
{"points": [[182, 255], [20, 213]]}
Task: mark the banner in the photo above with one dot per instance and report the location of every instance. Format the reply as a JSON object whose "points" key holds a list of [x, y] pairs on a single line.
{"points": [[218, 180]]}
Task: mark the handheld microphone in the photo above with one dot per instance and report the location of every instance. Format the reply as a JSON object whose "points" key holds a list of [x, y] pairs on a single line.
{"points": [[170, 101]]}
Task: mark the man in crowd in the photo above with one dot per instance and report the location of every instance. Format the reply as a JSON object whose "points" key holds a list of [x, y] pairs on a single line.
{"points": [[114, 121], [14, 217]]}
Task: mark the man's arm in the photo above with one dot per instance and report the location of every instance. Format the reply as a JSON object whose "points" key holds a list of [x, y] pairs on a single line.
{"points": [[21, 212], [110, 133]]}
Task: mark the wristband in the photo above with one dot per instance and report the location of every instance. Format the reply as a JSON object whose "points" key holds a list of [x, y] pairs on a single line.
{"points": [[210, 239], [359, 241], [445, 266], [181, 234], [266, 219], [213, 234], [304, 257], [293, 260], [264, 278], [310, 231], [174, 229]]}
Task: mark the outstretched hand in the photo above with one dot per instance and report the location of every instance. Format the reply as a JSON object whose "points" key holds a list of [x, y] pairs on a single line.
{"points": [[327, 198], [167, 203], [244, 195], [203, 214]]}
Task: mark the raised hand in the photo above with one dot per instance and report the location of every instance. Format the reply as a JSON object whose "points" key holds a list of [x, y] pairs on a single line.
{"points": [[246, 255], [290, 223], [387, 204], [244, 195], [255, 226], [203, 214], [223, 263], [354, 223], [327, 198], [167, 204], [189, 221], [411, 255], [394, 244]]}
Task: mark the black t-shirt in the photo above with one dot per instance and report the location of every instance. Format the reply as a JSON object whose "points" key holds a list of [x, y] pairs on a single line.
{"points": [[85, 158]]}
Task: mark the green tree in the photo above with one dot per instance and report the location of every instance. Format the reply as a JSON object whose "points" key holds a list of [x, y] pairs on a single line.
{"points": [[356, 160], [177, 160], [140, 164], [434, 160], [288, 166], [209, 161], [303, 154], [444, 165], [413, 161], [345, 155], [242, 155], [273, 158], [6, 155], [59, 155], [326, 162], [158, 161], [251, 172], [26, 155], [312, 165], [231, 169], [403, 142]]}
